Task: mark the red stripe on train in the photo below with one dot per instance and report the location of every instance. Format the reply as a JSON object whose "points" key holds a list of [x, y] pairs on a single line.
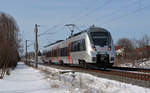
{"points": [[68, 52], [57, 55]]}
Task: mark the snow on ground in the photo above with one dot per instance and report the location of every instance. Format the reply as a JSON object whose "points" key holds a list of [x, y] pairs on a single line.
{"points": [[138, 64], [77, 82], [25, 79]]}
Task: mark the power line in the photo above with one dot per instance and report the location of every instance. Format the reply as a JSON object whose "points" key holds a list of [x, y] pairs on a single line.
{"points": [[93, 10], [125, 15], [118, 10], [78, 28], [99, 7], [45, 32]]}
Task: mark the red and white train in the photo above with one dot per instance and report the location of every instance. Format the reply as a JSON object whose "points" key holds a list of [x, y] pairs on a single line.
{"points": [[93, 46]]}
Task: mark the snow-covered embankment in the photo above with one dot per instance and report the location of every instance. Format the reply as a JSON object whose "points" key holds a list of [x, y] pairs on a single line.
{"points": [[76, 82]]}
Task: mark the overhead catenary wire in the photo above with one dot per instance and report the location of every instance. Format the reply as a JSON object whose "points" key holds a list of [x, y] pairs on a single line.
{"points": [[86, 14], [117, 11], [125, 15], [92, 11], [46, 31], [43, 34], [121, 16]]}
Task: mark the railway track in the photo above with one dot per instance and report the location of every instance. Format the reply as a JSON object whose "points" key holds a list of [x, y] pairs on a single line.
{"points": [[133, 75], [123, 72], [128, 75], [131, 69], [119, 71]]}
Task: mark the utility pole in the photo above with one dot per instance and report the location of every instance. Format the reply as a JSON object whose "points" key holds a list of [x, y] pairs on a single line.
{"points": [[36, 45], [71, 25], [26, 50]]}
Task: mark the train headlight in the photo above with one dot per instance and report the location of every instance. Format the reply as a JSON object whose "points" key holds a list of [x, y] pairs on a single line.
{"points": [[94, 48], [102, 48], [109, 48]]}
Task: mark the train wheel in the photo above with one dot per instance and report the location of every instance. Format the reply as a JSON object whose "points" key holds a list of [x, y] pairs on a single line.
{"points": [[49, 62], [82, 64], [104, 67], [61, 62]]}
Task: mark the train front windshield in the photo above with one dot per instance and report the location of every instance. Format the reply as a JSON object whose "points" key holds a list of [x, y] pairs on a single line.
{"points": [[100, 38]]}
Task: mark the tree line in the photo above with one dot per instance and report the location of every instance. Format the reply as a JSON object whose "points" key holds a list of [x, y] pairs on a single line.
{"points": [[134, 49], [9, 44]]}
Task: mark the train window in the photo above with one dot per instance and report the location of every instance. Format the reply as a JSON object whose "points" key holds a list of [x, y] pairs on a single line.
{"points": [[63, 51], [54, 53], [99, 34], [75, 46], [72, 46], [78, 45], [99, 38], [58, 52], [49, 54], [83, 47]]}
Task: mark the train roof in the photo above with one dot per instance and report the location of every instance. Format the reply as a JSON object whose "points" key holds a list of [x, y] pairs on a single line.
{"points": [[94, 28], [91, 29], [76, 34], [53, 43]]}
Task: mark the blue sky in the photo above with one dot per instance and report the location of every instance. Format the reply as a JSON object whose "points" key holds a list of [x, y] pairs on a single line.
{"points": [[123, 18]]}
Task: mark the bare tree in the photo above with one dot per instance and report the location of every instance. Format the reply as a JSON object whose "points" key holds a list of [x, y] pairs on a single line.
{"points": [[134, 50], [127, 45], [9, 43], [144, 45]]}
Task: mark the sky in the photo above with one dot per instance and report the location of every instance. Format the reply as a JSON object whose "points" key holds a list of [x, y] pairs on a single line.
{"points": [[123, 18]]}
